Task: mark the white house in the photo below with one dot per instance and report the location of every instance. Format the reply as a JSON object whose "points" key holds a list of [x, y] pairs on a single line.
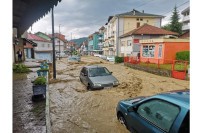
{"points": [[44, 49]]}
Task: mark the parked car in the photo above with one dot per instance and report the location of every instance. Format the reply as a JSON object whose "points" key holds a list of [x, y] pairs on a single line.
{"points": [[97, 55], [97, 77], [110, 58], [167, 112], [74, 58]]}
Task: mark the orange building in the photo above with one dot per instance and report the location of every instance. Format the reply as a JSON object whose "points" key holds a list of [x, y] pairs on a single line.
{"points": [[162, 50]]}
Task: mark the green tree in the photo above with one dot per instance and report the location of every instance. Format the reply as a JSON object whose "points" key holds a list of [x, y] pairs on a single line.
{"points": [[167, 27], [175, 25]]}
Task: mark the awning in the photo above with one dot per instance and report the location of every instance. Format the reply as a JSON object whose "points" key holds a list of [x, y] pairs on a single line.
{"points": [[31, 42], [26, 12]]}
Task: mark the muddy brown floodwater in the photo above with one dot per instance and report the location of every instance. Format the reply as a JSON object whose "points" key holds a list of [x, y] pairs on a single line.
{"points": [[73, 109]]}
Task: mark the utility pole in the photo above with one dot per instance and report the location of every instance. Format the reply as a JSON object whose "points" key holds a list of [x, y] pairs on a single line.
{"points": [[59, 41], [53, 42]]}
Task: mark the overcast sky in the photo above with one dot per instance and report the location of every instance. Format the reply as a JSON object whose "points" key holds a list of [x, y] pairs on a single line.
{"points": [[80, 18]]}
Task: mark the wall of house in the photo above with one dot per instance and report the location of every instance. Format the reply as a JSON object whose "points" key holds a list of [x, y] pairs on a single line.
{"points": [[172, 48], [130, 23], [90, 45], [169, 50], [44, 56], [57, 45]]}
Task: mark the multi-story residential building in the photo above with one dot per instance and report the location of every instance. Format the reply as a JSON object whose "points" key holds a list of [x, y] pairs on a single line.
{"points": [[120, 24], [186, 19], [95, 42], [84, 48], [186, 23]]}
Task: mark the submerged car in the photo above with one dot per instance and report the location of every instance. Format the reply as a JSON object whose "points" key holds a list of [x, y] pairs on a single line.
{"points": [[110, 58], [74, 58], [167, 112], [97, 77]]}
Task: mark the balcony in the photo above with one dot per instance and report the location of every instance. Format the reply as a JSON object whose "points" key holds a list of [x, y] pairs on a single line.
{"points": [[186, 27], [186, 18]]}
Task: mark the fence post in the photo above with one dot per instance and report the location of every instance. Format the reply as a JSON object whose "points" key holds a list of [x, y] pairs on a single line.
{"points": [[159, 63]]}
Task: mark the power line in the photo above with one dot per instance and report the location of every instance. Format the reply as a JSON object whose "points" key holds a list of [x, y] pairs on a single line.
{"points": [[177, 7]]}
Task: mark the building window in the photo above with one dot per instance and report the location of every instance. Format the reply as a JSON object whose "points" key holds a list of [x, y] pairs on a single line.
{"points": [[141, 19], [138, 24], [160, 51], [42, 45], [158, 112], [48, 45], [129, 42], [137, 19], [123, 43], [148, 51]]}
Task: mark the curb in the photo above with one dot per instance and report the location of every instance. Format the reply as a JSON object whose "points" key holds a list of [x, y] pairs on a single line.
{"points": [[47, 112]]}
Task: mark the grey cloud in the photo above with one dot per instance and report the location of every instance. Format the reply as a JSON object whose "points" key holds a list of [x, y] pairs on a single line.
{"points": [[83, 17]]}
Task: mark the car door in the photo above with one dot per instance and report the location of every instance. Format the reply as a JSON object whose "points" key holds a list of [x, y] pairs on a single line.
{"points": [[153, 116], [82, 75]]}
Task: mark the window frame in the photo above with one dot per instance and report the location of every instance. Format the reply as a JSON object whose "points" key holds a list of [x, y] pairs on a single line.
{"points": [[160, 52], [128, 42], [148, 51], [150, 122]]}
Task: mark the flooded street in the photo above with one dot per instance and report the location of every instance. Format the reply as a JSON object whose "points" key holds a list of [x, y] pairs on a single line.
{"points": [[73, 109]]}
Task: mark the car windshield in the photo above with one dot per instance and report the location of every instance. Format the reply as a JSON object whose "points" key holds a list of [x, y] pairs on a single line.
{"points": [[98, 71]]}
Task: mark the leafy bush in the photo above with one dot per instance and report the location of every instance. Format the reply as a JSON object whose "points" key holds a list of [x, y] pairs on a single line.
{"points": [[20, 68], [183, 55], [40, 80], [119, 59]]}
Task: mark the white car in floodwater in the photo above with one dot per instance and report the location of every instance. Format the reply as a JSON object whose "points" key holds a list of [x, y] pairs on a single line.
{"points": [[110, 58]]}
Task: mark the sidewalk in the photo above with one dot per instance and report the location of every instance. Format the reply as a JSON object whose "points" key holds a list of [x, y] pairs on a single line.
{"points": [[28, 116]]}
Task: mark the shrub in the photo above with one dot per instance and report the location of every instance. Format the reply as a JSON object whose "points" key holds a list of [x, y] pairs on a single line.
{"points": [[183, 55], [119, 59], [40, 80], [20, 68]]}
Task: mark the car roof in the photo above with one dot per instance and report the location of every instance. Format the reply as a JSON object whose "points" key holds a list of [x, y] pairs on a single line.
{"points": [[180, 98], [93, 66]]}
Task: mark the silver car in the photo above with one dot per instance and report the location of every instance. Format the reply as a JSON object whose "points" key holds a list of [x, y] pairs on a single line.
{"points": [[97, 77]]}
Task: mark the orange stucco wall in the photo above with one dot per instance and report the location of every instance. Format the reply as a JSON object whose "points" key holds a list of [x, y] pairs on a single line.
{"points": [[172, 48], [169, 50]]}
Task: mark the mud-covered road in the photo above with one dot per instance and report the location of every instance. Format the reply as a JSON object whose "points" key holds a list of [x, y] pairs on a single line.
{"points": [[73, 109]]}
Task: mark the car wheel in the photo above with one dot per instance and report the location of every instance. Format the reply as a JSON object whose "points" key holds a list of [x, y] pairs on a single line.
{"points": [[122, 120], [89, 87]]}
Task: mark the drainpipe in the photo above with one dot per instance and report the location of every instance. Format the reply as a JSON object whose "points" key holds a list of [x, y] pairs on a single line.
{"points": [[53, 42]]}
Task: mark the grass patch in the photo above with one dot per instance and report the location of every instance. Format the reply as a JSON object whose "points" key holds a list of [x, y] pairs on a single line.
{"points": [[178, 66]]}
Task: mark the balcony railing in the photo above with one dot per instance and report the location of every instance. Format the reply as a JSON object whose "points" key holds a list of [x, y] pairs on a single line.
{"points": [[186, 18], [186, 27]]}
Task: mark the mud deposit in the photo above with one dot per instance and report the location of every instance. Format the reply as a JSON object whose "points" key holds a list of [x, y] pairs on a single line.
{"points": [[28, 116], [73, 109]]}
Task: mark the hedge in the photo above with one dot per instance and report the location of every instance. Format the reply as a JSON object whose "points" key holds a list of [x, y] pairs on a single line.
{"points": [[119, 59], [183, 55]]}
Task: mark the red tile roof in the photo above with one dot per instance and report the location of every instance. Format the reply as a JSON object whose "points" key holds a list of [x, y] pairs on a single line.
{"points": [[36, 38], [59, 36], [149, 30]]}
